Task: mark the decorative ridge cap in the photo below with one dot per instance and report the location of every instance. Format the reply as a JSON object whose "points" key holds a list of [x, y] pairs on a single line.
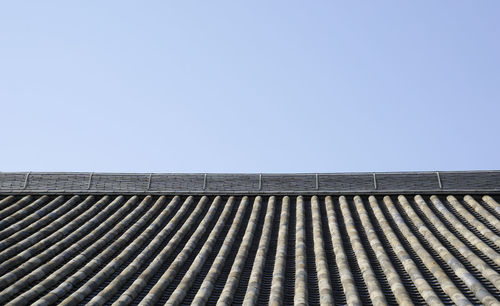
{"points": [[374, 182]]}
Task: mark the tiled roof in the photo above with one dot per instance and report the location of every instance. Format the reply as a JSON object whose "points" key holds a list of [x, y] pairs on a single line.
{"points": [[373, 247]]}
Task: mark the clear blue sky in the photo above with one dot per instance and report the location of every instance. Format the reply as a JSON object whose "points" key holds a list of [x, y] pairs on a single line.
{"points": [[249, 86]]}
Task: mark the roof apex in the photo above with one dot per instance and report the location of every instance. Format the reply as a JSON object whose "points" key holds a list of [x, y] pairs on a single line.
{"points": [[251, 183]]}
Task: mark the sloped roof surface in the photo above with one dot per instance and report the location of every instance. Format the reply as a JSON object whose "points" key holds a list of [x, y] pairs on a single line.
{"points": [[253, 248]]}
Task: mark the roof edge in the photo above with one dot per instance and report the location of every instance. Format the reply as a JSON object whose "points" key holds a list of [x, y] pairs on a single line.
{"points": [[251, 183]]}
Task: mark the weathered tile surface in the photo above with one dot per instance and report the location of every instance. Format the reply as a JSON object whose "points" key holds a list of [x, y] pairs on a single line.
{"points": [[140, 249]]}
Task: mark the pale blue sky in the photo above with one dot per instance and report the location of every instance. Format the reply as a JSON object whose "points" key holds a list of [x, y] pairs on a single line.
{"points": [[249, 86]]}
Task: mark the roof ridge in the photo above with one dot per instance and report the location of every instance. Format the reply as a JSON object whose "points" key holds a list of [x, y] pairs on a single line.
{"points": [[262, 183]]}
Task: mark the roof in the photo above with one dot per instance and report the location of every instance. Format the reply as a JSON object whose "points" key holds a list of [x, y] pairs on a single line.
{"points": [[123, 239]]}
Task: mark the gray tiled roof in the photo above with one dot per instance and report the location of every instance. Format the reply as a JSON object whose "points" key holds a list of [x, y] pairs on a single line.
{"points": [[269, 248]]}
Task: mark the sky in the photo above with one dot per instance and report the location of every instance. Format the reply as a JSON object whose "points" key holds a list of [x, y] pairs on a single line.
{"points": [[249, 86]]}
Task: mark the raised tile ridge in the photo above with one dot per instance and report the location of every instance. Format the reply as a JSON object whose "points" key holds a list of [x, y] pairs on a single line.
{"points": [[243, 183]]}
